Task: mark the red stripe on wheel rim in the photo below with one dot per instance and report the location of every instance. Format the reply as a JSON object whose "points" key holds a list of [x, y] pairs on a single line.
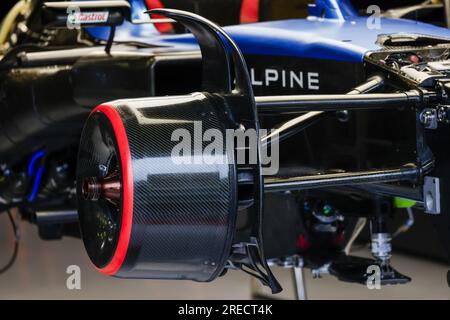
{"points": [[127, 189]]}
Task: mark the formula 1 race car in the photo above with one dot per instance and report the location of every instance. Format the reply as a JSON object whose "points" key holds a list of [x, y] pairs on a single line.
{"points": [[182, 149]]}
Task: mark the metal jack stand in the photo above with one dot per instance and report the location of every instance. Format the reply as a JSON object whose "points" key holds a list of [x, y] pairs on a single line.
{"points": [[299, 280], [382, 251], [296, 263]]}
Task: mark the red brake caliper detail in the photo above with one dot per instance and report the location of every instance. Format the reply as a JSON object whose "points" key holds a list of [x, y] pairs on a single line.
{"points": [[303, 243], [161, 27], [249, 11], [338, 240]]}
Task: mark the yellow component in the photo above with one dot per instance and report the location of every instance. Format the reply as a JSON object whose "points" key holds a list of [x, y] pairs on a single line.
{"points": [[403, 203], [8, 22]]}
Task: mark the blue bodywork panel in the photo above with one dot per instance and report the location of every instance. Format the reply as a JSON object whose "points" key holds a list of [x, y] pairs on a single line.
{"points": [[339, 34]]}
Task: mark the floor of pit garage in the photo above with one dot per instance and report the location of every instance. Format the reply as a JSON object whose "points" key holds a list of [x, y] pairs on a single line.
{"points": [[40, 273]]}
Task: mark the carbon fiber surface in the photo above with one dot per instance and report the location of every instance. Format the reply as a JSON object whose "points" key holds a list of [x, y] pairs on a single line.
{"points": [[183, 213]]}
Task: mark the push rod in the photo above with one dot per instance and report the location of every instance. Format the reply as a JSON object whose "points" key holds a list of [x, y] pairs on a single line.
{"points": [[336, 102], [393, 191], [300, 123], [371, 84], [277, 184]]}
